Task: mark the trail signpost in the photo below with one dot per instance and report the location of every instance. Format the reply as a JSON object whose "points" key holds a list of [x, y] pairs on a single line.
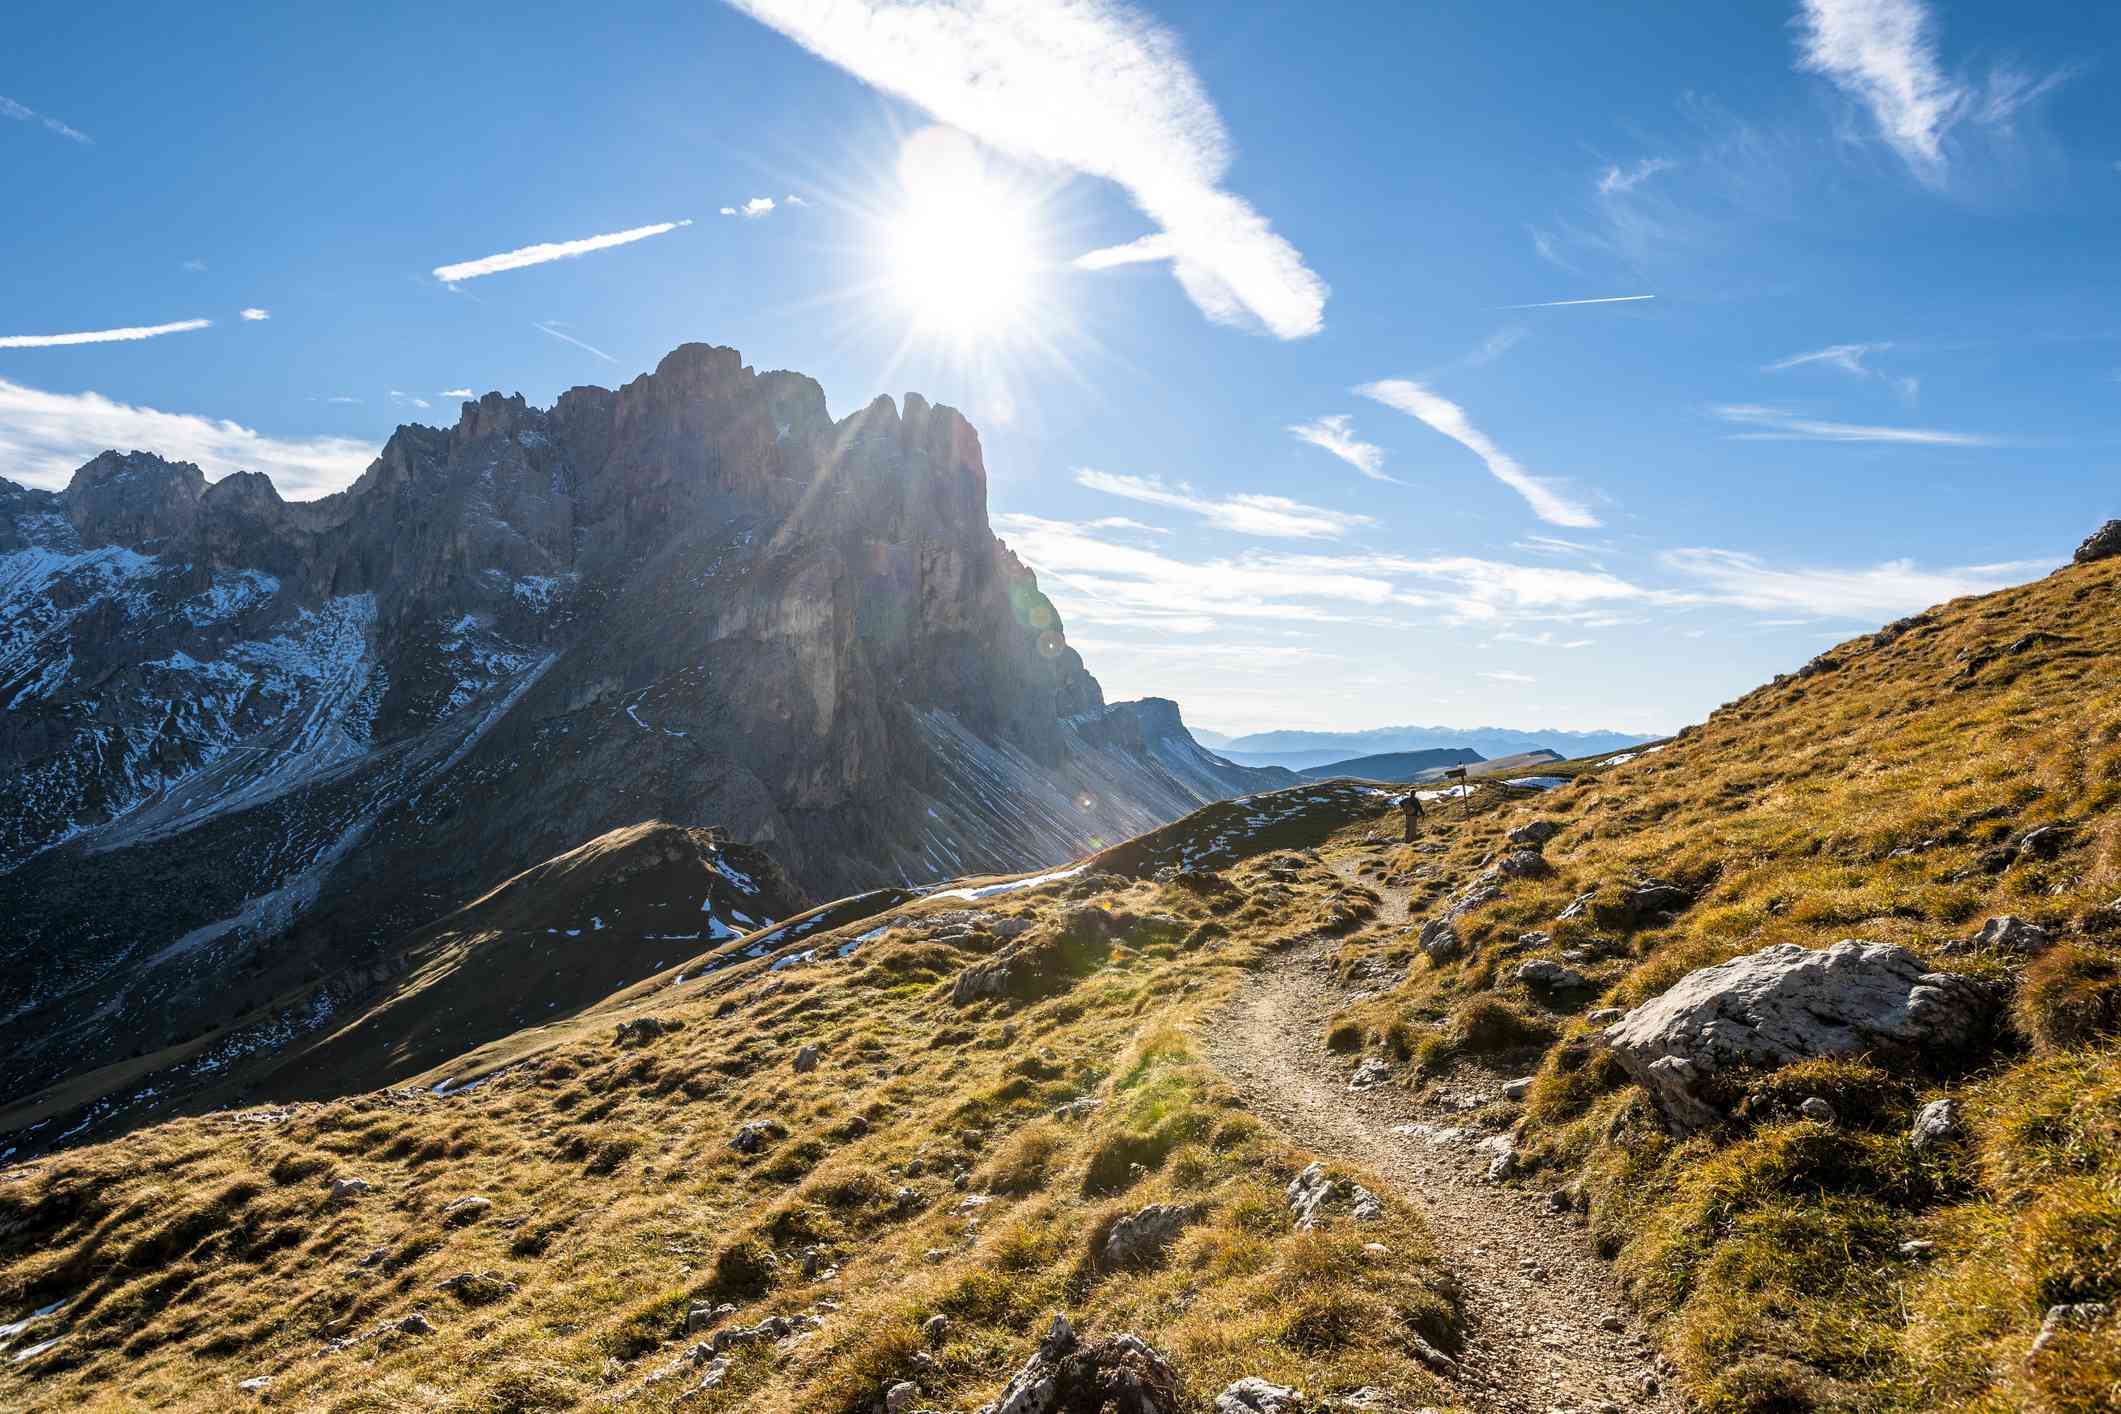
{"points": [[1458, 774]]}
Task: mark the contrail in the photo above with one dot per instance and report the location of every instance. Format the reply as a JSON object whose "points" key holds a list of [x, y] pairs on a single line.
{"points": [[101, 336], [571, 339], [1557, 303]]}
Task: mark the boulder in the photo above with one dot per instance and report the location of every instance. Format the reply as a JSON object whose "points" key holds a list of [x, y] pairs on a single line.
{"points": [[466, 1210], [2007, 932], [1935, 1123], [1533, 835], [806, 1060], [899, 1398], [2102, 544], [416, 1324], [1311, 1191], [1140, 1237], [1440, 941], [345, 1190], [1648, 902], [1121, 1372], [751, 1138], [1371, 1072], [1548, 976], [1788, 1003], [1579, 906], [1517, 1089], [1524, 864], [1253, 1395]]}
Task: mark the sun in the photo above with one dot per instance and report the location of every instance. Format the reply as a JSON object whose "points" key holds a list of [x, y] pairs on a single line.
{"points": [[962, 249]]}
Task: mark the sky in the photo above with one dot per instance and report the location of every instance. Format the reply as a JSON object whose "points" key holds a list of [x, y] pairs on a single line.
{"points": [[1336, 365]]}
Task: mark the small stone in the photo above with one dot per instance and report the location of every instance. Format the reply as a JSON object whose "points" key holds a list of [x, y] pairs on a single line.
{"points": [[345, 1190], [900, 1397], [1935, 1123], [416, 1324], [2008, 933], [254, 1383], [1917, 1247], [1549, 976], [1517, 1089], [1253, 1395], [1371, 1072], [1605, 1016], [1817, 1109], [1613, 1324], [806, 1060], [468, 1209], [936, 1329], [2083, 1315]]}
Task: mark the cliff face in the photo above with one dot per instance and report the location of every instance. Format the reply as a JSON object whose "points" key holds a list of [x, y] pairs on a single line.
{"points": [[257, 739]]}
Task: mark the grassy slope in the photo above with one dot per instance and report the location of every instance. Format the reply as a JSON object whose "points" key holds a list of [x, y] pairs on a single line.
{"points": [[203, 1252], [1775, 1245]]}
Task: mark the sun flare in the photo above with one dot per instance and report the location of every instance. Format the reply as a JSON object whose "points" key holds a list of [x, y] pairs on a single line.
{"points": [[963, 254]]}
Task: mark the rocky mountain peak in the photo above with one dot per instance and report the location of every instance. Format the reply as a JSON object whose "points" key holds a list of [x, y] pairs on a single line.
{"points": [[134, 499], [2102, 544]]}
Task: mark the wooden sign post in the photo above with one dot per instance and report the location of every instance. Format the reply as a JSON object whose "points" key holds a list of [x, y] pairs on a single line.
{"points": [[1458, 774]]}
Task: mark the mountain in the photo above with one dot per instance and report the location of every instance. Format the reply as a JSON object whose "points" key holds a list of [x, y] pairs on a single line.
{"points": [[1299, 750], [251, 746], [1807, 1022], [1399, 766]]}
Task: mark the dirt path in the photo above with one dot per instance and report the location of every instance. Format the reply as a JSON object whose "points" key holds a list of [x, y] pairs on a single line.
{"points": [[1546, 1326]]}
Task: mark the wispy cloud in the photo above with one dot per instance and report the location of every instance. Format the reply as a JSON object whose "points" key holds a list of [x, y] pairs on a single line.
{"points": [[21, 113], [1247, 514], [1884, 54], [1099, 580], [403, 399], [756, 207], [793, 200], [547, 327], [1554, 545], [101, 336], [1565, 303], [45, 437], [1125, 523], [1849, 358], [255, 315], [1782, 425], [456, 393], [1545, 638], [1450, 419], [1874, 593], [1548, 246], [550, 251], [195, 267], [1145, 250], [1135, 114], [1504, 675], [1618, 181], [1335, 433]]}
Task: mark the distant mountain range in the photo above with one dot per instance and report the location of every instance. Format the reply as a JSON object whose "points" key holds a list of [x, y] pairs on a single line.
{"points": [[1300, 750], [1396, 765]]}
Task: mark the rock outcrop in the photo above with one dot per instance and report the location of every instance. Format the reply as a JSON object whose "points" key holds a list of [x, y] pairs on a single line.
{"points": [[1121, 1373], [1788, 1003], [2102, 544]]}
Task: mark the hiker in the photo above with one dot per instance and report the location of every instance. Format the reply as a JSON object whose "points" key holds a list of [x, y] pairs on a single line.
{"points": [[1411, 808]]}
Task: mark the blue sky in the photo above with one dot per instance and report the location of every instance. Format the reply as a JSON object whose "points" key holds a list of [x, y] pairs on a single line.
{"points": [[1881, 365]]}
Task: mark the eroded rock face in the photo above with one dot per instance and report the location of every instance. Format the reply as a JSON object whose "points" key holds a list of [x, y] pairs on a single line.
{"points": [[1141, 1237], [1789, 1003], [1534, 834]]}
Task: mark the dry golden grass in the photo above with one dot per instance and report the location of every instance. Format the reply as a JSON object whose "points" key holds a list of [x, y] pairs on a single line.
{"points": [[1855, 801], [203, 1252]]}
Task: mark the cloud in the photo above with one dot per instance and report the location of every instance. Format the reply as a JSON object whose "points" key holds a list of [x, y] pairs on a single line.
{"points": [[45, 437], [1144, 250], [793, 200], [1884, 55], [101, 336], [571, 339], [757, 206], [1781, 425], [1543, 639], [196, 267], [1616, 182], [456, 393], [1450, 419], [1125, 523], [1091, 85], [1564, 303], [1503, 675], [1846, 357], [408, 400], [256, 315], [1548, 247], [1554, 545], [1098, 580], [1334, 434], [342, 398], [550, 251], [9, 108], [1885, 591], [1246, 514]]}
